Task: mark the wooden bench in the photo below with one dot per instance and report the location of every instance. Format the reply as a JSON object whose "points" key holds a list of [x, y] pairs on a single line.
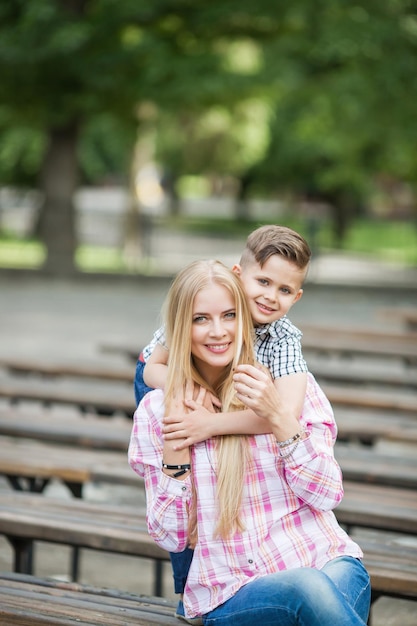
{"points": [[364, 465], [369, 426], [107, 399], [406, 316], [31, 465], [72, 369], [378, 506], [31, 601], [360, 374], [27, 517], [61, 426], [355, 373], [363, 344], [392, 564], [103, 398]]}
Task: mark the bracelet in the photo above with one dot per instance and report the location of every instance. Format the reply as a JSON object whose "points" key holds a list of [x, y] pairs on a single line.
{"points": [[291, 452], [182, 469], [287, 442]]}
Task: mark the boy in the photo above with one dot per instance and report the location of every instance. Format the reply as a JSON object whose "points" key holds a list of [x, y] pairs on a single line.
{"points": [[272, 268]]}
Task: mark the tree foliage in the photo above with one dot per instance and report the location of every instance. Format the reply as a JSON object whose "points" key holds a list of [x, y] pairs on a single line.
{"points": [[309, 96]]}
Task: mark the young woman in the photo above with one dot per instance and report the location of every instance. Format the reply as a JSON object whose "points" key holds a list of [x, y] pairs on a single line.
{"points": [[256, 509]]}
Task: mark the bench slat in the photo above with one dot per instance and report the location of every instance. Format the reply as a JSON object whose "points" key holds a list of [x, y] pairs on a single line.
{"points": [[110, 399], [28, 600]]}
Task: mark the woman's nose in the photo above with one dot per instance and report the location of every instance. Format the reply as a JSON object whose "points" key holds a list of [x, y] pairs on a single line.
{"points": [[217, 329]]}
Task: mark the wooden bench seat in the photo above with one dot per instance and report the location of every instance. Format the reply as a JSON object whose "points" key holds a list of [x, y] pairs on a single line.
{"points": [[72, 369], [406, 316], [378, 506], [112, 433], [27, 517], [357, 342], [109, 399], [369, 426], [103, 398], [334, 371], [32, 601], [391, 560], [360, 374], [31, 517], [82, 431], [364, 465], [31, 465]]}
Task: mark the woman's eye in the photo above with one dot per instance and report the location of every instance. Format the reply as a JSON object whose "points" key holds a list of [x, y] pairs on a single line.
{"points": [[230, 315], [199, 319]]}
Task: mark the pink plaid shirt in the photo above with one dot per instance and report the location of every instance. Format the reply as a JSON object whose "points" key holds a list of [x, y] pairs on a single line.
{"points": [[286, 508]]}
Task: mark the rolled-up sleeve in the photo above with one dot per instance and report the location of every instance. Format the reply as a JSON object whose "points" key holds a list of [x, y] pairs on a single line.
{"points": [[312, 471], [167, 499]]}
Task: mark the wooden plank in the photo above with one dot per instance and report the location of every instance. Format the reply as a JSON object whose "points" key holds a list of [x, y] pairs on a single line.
{"points": [[23, 458], [85, 431], [104, 398], [27, 600], [370, 426], [119, 529], [391, 560], [386, 400], [379, 507], [364, 465], [346, 333], [117, 398], [357, 373], [407, 316], [78, 369], [325, 342]]}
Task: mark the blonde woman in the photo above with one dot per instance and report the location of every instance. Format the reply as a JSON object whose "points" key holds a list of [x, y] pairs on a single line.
{"points": [[256, 509]]}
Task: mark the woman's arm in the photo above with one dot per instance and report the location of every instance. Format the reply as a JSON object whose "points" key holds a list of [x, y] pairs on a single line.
{"points": [[167, 498], [309, 465]]}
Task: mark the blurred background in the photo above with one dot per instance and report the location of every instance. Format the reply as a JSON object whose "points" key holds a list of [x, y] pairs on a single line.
{"points": [[133, 131]]}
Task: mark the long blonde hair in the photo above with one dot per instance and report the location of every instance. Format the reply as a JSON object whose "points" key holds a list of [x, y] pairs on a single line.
{"points": [[232, 450]]}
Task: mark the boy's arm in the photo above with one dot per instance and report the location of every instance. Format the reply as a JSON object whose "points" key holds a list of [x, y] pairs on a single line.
{"points": [[201, 424], [292, 390], [155, 371]]}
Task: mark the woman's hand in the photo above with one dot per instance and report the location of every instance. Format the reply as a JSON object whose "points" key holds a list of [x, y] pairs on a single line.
{"points": [[255, 388], [195, 425]]}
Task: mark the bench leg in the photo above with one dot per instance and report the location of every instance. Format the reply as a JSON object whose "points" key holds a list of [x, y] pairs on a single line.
{"points": [[23, 555], [158, 578]]}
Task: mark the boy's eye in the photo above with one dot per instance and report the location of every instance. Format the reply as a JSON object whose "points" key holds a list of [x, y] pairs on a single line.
{"points": [[263, 281], [285, 290]]}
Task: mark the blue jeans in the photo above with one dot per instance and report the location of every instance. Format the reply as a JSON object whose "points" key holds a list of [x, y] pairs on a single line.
{"points": [[337, 595], [139, 385]]}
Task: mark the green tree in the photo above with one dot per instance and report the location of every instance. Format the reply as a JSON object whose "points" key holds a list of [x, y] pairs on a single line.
{"points": [[65, 62]]}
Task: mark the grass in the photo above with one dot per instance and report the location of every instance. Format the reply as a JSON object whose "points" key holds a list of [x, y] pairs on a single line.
{"points": [[389, 241]]}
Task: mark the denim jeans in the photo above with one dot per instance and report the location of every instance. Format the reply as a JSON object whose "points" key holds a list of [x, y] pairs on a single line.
{"points": [[140, 386], [337, 595]]}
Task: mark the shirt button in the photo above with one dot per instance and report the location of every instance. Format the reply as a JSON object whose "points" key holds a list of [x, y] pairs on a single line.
{"points": [[184, 488], [250, 561]]}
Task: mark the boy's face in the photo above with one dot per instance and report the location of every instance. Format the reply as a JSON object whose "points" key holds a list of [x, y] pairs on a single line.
{"points": [[271, 289]]}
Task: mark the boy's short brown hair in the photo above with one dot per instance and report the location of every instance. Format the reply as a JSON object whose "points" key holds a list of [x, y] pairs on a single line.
{"points": [[272, 239]]}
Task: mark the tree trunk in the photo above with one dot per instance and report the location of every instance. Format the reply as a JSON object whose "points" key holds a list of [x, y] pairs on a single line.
{"points": [[59, 182]]}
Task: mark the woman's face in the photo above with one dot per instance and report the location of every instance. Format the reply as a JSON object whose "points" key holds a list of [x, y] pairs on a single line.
{"points": [[213, 330]]}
